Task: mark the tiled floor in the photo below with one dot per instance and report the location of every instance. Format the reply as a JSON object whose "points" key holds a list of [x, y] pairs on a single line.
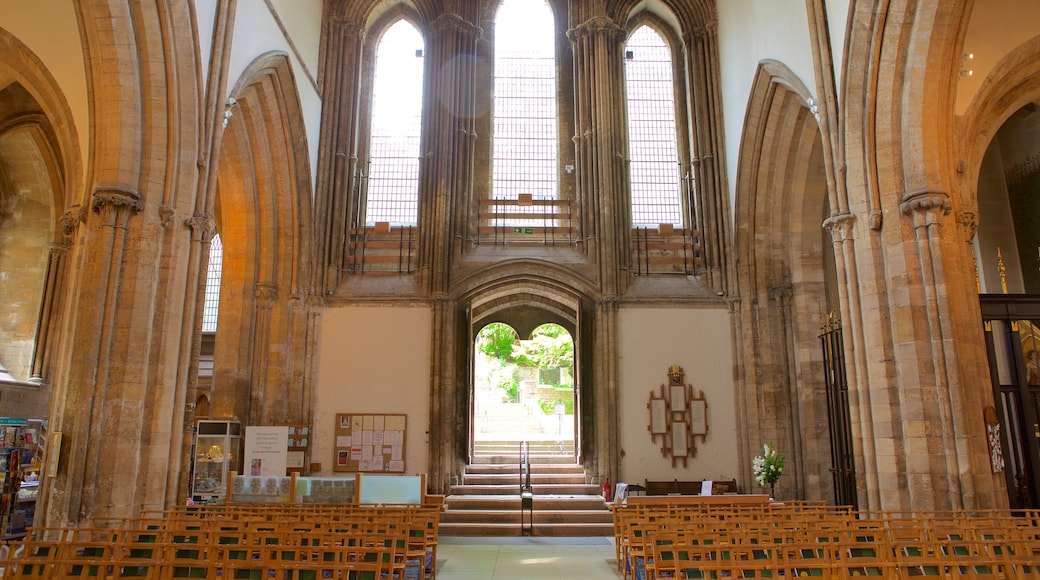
{"points": [[526, 558]]}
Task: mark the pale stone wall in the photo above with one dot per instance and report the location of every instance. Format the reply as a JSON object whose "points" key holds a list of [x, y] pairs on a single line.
{"points": [[375, 360], [698, 339]]}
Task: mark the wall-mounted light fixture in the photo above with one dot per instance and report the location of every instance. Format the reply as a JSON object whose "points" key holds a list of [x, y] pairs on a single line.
{"points": [[231, 102], [966, 62]]}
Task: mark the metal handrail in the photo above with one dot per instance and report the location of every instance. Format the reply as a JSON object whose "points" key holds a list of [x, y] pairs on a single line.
{"points": [[525, 467]]}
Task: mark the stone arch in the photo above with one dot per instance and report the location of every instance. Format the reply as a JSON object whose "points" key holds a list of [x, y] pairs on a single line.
{"points": [[32, 245], [1012, 84], [524, 293], [263, 213], [780, 205], [31, 74]]}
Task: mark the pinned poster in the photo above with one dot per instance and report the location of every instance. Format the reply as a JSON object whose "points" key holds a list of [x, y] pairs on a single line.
{"points": [[369, 442]]}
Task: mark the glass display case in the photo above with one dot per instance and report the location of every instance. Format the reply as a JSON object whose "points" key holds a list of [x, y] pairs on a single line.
{"points": [[217, 447]]}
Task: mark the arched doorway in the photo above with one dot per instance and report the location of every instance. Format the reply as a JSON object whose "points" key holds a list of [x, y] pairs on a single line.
{"points": [[1007, 253], [523, 390]]}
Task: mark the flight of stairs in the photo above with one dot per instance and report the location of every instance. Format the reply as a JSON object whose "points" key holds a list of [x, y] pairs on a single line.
{"points": [[486, 501]]}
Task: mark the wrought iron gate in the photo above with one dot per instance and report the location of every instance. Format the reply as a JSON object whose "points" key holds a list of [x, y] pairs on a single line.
{"points": [[843, 468]]}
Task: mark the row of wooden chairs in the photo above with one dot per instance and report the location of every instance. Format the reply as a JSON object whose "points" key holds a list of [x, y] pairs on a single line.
{"points": [[792, 539], [236, 544]]}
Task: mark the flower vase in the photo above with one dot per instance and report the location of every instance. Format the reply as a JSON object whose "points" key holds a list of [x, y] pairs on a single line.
{"points": [[772, 491]]}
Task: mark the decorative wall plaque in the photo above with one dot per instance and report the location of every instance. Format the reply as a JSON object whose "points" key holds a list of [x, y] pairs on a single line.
{"points": [[677, 417]]}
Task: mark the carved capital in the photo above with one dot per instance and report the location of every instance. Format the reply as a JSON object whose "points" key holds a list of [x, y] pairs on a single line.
{"points": [[266, 294], [70, 221], [596, 25], [926, 207], [57, 250], [202, 227], [457, 24], [610, 302], [840, 226], [115, 205], [969, 222], [345, 27], [315, 302], [166, 214]]}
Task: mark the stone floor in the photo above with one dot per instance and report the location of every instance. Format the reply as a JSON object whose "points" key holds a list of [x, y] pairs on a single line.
{"points": [[525, 558]]}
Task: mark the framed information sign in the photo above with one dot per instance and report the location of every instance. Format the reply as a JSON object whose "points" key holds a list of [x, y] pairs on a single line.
{"points": [[369, 442]]}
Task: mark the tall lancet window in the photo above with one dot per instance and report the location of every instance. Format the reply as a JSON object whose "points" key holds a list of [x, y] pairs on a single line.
{"points": [[212, 300], [525, 123], [393, 173], [652, 146]]}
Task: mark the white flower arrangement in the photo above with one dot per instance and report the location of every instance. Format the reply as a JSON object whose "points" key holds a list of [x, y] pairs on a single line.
{"points": [[769, 466]]}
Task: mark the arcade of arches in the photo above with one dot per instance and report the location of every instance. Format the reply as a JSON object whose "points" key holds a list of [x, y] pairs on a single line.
{"points": [[854, 276]]}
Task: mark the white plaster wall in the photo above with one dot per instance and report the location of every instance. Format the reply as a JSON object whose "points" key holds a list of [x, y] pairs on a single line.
{"points": [[205, 17], [257, 31], [698, 340], [838, 22], [50, 29], [374, 360], [751, 31]]}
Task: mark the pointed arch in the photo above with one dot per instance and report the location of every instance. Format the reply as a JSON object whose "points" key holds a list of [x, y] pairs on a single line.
{"points": [[263, 214], [781, 202]]}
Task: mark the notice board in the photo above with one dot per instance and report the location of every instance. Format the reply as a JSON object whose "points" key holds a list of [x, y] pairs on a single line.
{"points": [[370, 442]]}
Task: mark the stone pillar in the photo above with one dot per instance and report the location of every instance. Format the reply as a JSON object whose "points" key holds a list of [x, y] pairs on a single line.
{"points": [[87, 406], [257, 409], [446, 200], [448, 407], [446, 169], [712, 193], [601, 148], [789, 424], [337, 148], [841, 227], [940, 487], [53, 287], [602, 445]]}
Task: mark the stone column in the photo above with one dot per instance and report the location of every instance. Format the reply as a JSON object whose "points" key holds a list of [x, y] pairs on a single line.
{"points": [[928, 209], [841, 227], [448, 410], [601, 148], [446, 167], [337, 147], [781, 295], [712, 193], [53, 287], [88, 407], [445, 203], [602, 445], [266, 295]]}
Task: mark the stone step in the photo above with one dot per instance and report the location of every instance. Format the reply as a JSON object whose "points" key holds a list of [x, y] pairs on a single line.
{"points": [[550, 447], [510, 503], [514, 468], [514, 478], [496, 459], [514, 487]]}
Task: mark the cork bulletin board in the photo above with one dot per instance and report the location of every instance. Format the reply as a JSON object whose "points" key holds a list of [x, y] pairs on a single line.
{"points": [[369, 442]]}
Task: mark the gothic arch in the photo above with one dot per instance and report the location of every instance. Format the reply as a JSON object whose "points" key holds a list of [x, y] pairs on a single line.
{"points": [[1013, 83], [263, 213], [780, 205], [33, 76]]}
